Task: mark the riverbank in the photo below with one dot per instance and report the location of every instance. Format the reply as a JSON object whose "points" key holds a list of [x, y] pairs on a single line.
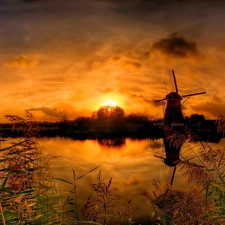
{"points": [[86, 128]]}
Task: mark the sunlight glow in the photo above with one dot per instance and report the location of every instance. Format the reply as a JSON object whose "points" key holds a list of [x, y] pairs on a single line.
{"points": [[109, 102]]}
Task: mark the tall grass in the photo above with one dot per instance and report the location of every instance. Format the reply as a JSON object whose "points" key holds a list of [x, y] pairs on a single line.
{"points": [[28, 193], [204, 202]]}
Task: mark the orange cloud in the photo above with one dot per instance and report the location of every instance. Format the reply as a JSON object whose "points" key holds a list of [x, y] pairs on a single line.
{"points": [[21, 61], [132, 65], [213, 108]]}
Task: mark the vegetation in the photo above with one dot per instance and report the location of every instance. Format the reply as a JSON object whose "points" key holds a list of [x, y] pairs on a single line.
{"points": [[111, 122], [204, 202], [107, 122], [29, 193]]}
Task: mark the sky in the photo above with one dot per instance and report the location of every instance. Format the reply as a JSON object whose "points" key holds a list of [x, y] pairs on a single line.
{"points": [[63, 59]]}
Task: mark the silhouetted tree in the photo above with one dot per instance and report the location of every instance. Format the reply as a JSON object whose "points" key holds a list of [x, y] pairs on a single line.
{"points": [[137, 118], [82, 122], [196, 118], [110, 112]]}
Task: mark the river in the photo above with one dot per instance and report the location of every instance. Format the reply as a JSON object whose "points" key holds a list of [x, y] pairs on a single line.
{"points": [[131, 164]]}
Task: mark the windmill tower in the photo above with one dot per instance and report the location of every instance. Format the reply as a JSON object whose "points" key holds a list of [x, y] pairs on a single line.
{"points": [[173, 115], [173, 112]]}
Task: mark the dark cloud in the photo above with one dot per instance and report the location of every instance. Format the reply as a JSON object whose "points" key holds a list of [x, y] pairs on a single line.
{"points": [[176, 46], [52, 112]]}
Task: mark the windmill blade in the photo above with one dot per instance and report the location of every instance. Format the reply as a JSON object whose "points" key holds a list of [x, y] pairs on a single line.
{"points": [[199, 93], [163, 99], [175, 82]]}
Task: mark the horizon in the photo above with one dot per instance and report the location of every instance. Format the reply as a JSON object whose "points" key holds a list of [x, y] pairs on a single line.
{"points": [[139, 114]]}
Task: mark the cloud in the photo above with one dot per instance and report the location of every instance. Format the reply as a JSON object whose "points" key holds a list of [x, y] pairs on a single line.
{"points": [[142, 98], [108, 90], [21, 61], [58, 112], [213, 108], [52, 112], [132, 65], [114, 59], [177, 46]]}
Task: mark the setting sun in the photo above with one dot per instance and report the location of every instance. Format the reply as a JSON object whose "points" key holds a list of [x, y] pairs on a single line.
{"points": [[109, 102]]}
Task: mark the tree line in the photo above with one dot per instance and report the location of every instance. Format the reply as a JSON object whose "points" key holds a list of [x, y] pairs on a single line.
{"points": [[106, 122]]}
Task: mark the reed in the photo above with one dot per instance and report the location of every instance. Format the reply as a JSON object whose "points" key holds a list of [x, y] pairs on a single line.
{"points": [[28, 193], [106, 208], [204, 202]]}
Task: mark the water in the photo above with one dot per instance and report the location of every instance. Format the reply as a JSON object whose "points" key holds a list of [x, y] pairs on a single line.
{"points": [[131, 164]]}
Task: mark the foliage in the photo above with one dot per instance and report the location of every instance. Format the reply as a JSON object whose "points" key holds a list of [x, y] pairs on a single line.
{"points": [[110, 112], [28, 194], [204, 202], [137, 118], [104, 207], [195, 119]]}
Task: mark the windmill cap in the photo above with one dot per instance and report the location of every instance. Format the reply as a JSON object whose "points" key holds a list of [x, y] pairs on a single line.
{"points": [[173, 95]]}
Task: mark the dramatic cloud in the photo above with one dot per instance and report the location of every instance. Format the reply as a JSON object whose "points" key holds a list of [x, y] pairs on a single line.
{"points": [[176, 46], [82, 53]]}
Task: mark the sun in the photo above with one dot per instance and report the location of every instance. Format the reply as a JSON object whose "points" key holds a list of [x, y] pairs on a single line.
{"points": [[109, 102]]}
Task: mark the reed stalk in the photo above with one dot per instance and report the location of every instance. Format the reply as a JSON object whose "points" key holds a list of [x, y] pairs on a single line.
{"points": [[2, 214]]}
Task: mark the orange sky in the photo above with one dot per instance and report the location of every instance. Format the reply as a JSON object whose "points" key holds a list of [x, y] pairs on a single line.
{"points": [[68, 57]]}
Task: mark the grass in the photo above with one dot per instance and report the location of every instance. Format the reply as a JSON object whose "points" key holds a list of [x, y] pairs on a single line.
{"points": [[204, 202], [28, 193]]}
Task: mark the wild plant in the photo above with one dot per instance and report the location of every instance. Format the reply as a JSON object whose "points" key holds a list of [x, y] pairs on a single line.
{"points": [[100, 208], [204, 202], [106, 208], [28, 194]]}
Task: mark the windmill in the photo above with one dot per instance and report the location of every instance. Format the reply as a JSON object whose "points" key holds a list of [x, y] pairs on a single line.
{"points": [[174, 116], [173, 112]]}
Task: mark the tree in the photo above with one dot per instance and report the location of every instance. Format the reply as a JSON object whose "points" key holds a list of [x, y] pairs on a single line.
{"points": [[137, 118], [196, 118], [110, 112]]}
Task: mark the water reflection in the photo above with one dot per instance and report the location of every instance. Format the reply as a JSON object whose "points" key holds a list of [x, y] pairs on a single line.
{"points": [[112, 143], [132, 167]]}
